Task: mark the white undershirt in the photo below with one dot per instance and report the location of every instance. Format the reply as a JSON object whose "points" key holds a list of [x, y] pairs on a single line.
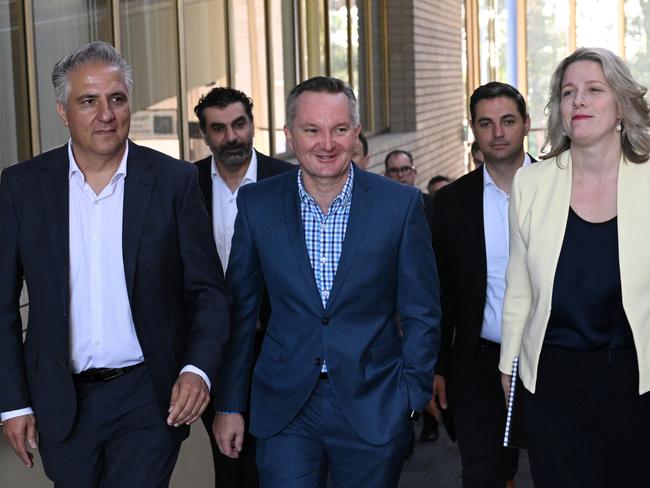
{"points": [[495, 226], [224, 208]]}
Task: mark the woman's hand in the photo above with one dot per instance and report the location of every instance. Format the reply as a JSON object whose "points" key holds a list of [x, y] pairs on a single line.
{"points": [[506, 379]]}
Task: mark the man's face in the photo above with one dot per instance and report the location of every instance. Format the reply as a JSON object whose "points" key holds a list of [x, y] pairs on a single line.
{"points": [[323, 136], [500, 129], [97, 112], [229, 134], [358, 157], [400, 168]]}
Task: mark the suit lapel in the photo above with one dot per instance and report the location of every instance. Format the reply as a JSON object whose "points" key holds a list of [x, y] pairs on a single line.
{"points": [[296, 235], [263, 166], [138, 186], [205, 182], [358, 219], [55, 194], [476, 231]]}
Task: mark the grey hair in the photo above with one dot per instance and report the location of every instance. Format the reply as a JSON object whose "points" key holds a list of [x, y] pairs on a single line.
{"points": [[95, 52], [321, 84], [629, 94]]}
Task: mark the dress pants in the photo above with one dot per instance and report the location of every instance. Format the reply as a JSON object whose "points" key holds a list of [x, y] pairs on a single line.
{"points": [[479, 420], [320, 441], [587, 425], [119, 440]]}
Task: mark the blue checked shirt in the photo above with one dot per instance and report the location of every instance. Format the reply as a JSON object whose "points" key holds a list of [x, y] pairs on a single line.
{"points": [[324, 234]]}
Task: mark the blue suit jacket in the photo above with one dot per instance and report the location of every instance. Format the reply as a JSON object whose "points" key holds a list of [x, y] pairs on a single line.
{"points": [[386, 269], [177, 294]]}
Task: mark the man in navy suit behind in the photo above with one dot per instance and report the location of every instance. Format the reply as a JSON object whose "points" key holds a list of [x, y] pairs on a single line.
{"points": [[343, 252], [128, 310]]}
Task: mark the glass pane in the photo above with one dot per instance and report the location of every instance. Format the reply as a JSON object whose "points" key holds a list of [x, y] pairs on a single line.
{"points": [[206, 59], [12, 84], [637, 30], [354, 41], [312, 29], [249, 70], [338, 32], [548, 41], [597, 24], [149, 43], [283, 58], [59, 28]]}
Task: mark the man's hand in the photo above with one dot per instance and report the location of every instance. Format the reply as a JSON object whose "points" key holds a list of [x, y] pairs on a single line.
{"points": [[228, 431], [190, 396], [21, 431], [439, 396], [505, 384]]}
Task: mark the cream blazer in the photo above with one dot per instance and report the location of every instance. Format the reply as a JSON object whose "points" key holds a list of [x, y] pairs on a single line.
{"points": [[539, 208]]}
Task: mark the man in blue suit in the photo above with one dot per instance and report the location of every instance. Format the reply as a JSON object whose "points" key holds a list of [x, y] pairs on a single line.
{"points": [[128, 309], [343, 252]]}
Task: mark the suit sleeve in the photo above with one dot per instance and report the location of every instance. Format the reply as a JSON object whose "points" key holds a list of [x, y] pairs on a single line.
{"points": [[518, 296], [246, 281], [13, 384], [418, 305], [447, 291], [206, 293]]}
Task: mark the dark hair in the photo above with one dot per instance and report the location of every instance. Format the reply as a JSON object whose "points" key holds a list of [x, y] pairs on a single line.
{"points": [[321, 84], [364, 143], [630, 98], [437, 179], [100, 52], [475, 147], [221, 97], [395, 152], [496, 89]]}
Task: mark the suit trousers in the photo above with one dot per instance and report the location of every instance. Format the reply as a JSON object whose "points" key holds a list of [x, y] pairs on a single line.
{"points": [[587, 425], [479, 418], [320, 441], [119, 440]]}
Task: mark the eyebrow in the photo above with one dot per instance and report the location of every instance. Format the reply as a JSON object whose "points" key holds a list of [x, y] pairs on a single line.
{"points": [[236, 121], [489, 119]]}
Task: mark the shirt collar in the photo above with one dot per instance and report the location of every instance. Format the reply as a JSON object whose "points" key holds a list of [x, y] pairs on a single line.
{"points": [[342, 198], [251, 172], [73, 169], [487, 179]]}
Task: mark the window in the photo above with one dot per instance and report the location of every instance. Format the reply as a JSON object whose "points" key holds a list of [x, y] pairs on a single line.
{"points": [[149, 42]]}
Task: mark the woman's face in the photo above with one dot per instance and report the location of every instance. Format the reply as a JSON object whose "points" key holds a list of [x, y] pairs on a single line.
{"points": [[587, 104]]}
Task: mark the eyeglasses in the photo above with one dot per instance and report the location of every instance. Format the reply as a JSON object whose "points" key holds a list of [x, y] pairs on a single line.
{"points": [[401, 170]]}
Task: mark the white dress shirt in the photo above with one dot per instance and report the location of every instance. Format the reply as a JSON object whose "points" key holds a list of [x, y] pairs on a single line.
{"points": [[102, 333], [224, 208], [497, 235]]}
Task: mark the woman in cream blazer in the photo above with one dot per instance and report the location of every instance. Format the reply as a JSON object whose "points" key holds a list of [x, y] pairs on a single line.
{"points": [[577, 303]]}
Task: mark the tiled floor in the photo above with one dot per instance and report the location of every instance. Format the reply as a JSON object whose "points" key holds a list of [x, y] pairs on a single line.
{"points": [[433, 465]]}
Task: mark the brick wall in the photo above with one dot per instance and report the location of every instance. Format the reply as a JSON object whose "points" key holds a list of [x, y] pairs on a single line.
{"points": [[426, 87]]}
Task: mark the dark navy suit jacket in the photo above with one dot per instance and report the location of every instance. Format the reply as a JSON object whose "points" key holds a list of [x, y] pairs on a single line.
{"points": [[386, 268], [177, 294]]}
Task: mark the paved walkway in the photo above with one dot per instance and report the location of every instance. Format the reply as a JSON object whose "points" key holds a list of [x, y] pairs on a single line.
{"points": [[432, 465]]}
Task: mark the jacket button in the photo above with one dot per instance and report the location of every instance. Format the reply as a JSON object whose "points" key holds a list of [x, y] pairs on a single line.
{"points": [[64, 363], [325, 320], [317, 361]]}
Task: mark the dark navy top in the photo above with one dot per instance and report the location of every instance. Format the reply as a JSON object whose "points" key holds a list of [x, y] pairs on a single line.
{"points": [[587, 308]]}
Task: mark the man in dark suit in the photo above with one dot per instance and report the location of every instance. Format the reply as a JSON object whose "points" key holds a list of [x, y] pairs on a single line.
{"points": [[226, 121], [343, 252], [128, 310], [470, 237]]}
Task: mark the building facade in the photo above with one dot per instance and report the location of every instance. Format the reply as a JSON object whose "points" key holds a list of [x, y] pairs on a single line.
{"points": [[402, 57]]}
